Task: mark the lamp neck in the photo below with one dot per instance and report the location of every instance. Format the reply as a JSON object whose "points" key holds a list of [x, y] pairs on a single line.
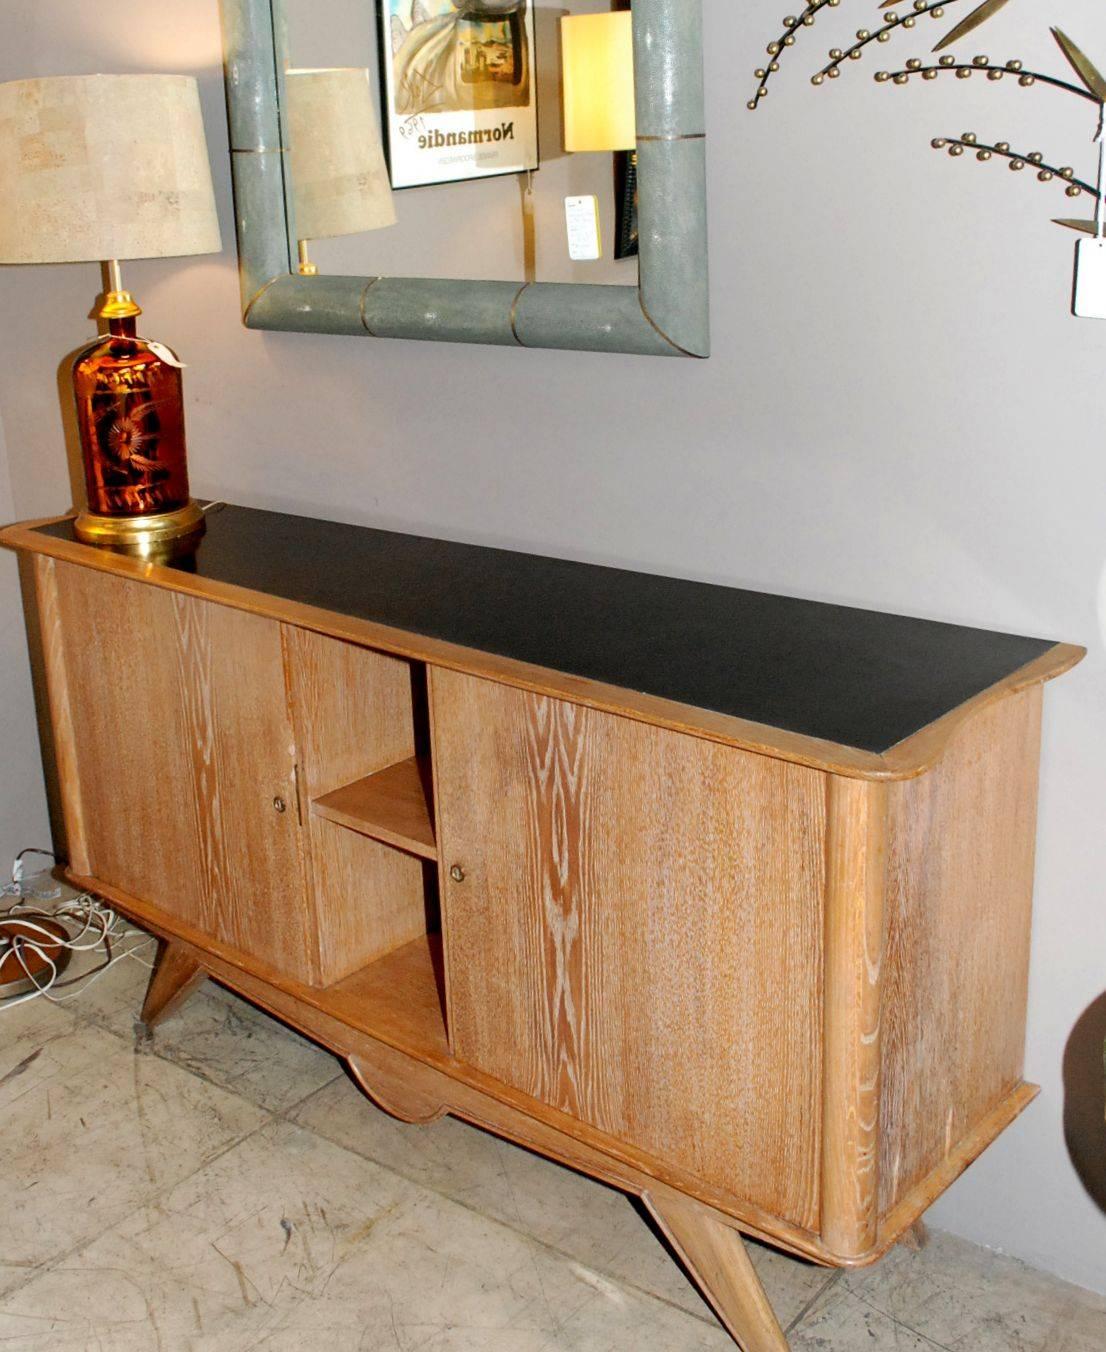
{"points": [[119, 307]]}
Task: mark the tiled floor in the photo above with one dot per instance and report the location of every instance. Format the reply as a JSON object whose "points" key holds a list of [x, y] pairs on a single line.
{"points": [[222, 1185]]}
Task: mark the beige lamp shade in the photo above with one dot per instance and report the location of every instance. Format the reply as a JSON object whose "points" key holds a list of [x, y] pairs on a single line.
{"points": [[598, 57], [99, 167], [339, 178]]}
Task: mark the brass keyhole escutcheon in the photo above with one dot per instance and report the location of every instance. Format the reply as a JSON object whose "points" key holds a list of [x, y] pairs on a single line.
{"points": [[457, 873], [280, 805]]}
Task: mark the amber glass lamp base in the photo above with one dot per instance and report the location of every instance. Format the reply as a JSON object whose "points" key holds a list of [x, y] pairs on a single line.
{"points": [[130, 411]]}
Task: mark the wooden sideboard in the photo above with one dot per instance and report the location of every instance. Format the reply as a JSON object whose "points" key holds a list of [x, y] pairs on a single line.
{"points": [[720, 897]]}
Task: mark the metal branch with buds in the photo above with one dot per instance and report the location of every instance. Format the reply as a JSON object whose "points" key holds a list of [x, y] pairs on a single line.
{"points": [[786, 39], [980, 65], [1091, 85], [864, 38], [1046, 173], [1089, 295], [793, 23]]}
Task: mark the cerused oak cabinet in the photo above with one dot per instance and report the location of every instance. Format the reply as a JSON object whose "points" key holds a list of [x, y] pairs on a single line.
{"points": [[720, 897]]}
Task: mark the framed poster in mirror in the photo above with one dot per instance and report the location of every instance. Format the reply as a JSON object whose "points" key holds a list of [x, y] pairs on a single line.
{"points": [[459, 89]]}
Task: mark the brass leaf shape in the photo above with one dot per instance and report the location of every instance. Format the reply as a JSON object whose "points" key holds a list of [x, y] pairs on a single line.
{"points": [[980, 15], [1083, 66], [1087, 227]]}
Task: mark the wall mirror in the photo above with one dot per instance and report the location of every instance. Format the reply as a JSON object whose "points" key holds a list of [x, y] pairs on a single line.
{"points": [[429, 168]]}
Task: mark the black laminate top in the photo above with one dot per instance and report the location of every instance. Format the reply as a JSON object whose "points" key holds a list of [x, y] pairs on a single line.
{"points": [[856, 677]]}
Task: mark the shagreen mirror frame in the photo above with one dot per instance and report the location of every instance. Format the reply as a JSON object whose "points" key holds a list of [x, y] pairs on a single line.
{"points": [[666, 314]]}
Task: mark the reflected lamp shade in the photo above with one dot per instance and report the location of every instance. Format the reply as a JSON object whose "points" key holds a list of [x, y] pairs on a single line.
{"points": [[96, 167], [340, 181], [598, 74]]}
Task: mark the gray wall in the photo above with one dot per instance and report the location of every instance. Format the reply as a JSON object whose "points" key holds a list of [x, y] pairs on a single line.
{"points": [[900, 413], [23, 819]]}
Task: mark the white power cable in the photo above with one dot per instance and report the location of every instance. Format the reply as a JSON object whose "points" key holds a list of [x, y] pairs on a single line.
{"points": [[25, 935]]}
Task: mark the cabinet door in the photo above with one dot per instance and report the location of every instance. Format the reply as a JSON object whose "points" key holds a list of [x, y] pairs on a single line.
{"points": [[184, 758], [633, 932]]}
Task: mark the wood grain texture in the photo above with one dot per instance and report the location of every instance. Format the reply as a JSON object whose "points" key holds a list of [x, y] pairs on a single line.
{"points": [[182, 741], [390, 1019], [370, 899], [27, 567], [856, 850], [910, 757], [612, 950], [353, 715], [397, 1002], [177, 975], [390, 1016], [913, 1205], [52, 639], [715, 1255], [131, 742], [354, 709], [239, 736], [393, 805], [960, 882]]}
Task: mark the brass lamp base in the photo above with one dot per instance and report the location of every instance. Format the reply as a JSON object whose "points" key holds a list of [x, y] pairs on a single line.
{"points": [[157, 533]]}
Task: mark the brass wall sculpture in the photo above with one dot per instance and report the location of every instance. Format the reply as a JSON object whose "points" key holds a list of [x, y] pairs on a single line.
{"points": [[1091, 86]]}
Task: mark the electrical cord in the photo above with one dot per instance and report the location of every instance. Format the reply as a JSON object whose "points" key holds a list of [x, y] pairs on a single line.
{"points": [[90, 924]]}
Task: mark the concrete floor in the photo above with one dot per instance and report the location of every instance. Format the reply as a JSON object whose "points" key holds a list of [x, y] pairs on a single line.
{"points": [[222, 1185]]}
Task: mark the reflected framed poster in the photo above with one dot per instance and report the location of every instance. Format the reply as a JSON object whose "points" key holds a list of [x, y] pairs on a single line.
{"points": [[459, 89]]}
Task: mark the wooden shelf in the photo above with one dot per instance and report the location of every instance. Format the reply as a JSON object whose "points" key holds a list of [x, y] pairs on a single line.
{"points": [[399, 998], [392, 806]]}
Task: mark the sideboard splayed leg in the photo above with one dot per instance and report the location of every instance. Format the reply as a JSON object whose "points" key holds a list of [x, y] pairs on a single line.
{"points": [[715, 1255], [176, 976]]}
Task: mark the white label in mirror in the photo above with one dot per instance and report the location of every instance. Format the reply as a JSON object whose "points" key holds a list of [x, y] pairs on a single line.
{"points": [[585, 244]]}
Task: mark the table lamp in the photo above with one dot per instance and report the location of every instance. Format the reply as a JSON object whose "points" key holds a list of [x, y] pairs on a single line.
{"points": [[99, 168], [340, 181]]}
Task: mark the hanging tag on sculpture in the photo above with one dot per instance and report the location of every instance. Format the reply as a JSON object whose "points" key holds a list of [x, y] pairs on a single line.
{"points": [[1090, 279]]}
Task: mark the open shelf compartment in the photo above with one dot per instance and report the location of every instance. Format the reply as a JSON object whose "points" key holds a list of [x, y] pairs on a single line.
{"points": [[392, 806], [399, 999]]}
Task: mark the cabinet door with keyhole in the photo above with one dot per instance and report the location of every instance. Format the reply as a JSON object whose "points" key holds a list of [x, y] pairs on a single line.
{"points": [[184, 758], [632, 921]]}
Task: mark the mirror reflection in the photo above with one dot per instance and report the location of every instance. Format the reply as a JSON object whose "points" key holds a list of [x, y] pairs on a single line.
{"points": [[490, 140]]}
